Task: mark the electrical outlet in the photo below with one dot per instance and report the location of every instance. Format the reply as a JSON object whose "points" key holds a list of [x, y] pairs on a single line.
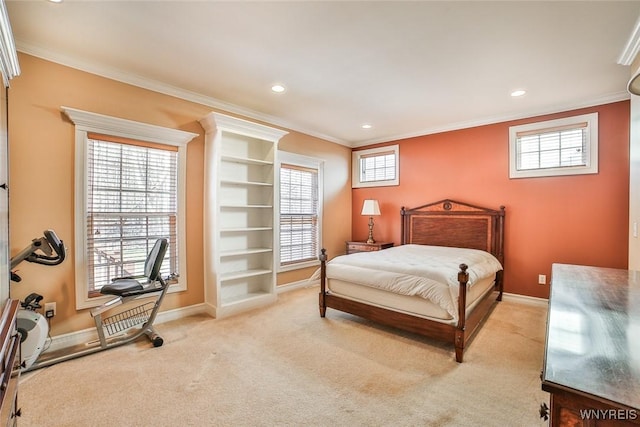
{"points": [[542, 279], [49, 309]]}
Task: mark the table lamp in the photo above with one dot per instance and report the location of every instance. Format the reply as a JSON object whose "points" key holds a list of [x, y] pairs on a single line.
{"points": [[371, 208]]}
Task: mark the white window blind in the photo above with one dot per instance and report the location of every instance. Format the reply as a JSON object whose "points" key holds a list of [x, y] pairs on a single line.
{"points": [[378, 167], [553, 148], [566, 146], [298, 214], [131, 202]]}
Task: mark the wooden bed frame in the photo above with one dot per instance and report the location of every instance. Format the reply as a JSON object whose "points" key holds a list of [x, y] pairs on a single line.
{"points": [[443, 223]]}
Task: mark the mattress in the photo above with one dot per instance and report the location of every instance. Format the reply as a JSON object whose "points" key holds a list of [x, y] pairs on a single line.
{"points": [[413, 305], [416, 279]]}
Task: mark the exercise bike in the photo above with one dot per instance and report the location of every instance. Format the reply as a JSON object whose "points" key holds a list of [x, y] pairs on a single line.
{"points": [[139, 299], [33, 326]]}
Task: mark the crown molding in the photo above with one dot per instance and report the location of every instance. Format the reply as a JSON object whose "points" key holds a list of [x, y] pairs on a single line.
{"points": [[632, 46], [9, 65], [216, 121], [607, 99], [166, 89]]}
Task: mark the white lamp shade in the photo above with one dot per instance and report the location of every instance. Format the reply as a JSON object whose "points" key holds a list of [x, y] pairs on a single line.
{"points": [[370, 208]]}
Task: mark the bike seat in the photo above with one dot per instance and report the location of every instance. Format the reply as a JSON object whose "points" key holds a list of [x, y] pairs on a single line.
{"points": [[121, 287]]}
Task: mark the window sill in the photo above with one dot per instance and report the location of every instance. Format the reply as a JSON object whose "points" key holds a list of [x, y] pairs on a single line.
{"points": [[298, 266]]}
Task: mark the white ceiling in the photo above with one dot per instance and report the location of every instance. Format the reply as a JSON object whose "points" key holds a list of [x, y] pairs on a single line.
{"points": [[407, 68]]}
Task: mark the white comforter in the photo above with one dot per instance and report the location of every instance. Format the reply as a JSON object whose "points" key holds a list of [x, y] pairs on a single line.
{"points": [[430, 272]]}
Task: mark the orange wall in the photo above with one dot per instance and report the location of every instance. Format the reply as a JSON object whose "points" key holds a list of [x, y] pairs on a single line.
{"points": [[580, 219]]}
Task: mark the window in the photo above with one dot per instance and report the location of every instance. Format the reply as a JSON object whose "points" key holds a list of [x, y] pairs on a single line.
{"points": [[566, 146], [131, 202], [130, 191], [376, 167], [300, 206]]}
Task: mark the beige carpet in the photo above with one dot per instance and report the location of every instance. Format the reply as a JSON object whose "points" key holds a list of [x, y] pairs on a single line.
{"points": [[285, 366]]}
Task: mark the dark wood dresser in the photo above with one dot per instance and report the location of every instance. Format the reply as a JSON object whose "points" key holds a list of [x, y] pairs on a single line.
{"points": [[9, 368], [592, 357]]}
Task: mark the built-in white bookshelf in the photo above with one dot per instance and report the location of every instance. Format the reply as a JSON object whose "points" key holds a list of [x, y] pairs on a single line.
{"points": [[239, 240]]}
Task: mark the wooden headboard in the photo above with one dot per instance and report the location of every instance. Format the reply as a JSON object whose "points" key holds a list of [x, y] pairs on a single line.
{"points": [[456, 224]]}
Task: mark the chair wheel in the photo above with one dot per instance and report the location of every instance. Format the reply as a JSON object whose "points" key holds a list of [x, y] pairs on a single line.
{"points": [[158, 341]]}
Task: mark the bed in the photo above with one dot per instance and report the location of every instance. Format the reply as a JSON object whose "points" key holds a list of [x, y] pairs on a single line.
{"points": [[359, 283]]}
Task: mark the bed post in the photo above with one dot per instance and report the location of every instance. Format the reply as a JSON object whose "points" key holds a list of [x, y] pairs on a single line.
{"points": [[323, 279], [402, 220], [501, 235], [499, 284], [500, 251], [463, 278]]}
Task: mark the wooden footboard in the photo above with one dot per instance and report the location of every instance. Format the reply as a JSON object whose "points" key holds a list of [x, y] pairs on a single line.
{"points": [[459, 334]]}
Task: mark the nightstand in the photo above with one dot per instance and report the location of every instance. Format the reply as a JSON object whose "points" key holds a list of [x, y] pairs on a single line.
{"points": [[353, 247]]}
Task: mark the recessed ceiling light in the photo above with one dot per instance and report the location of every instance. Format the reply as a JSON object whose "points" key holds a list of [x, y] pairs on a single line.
{"points": [[55, 1], [366, 126], [518, 92], [277, 88]]}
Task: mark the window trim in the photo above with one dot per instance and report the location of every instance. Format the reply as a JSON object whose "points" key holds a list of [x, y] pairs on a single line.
{"points": [[591, 167], [356, 172], [87, 122], [307, 162]]}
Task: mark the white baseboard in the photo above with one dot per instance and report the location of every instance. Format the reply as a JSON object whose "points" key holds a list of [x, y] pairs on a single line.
{"points": [[88, 335], [306, 283], [525, 299]]}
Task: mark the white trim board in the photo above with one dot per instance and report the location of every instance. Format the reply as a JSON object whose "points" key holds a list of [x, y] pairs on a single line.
{"points": [[163, 88], [159, 87], [525, 299], [292, 286], [632, 47], [88, 335]]}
